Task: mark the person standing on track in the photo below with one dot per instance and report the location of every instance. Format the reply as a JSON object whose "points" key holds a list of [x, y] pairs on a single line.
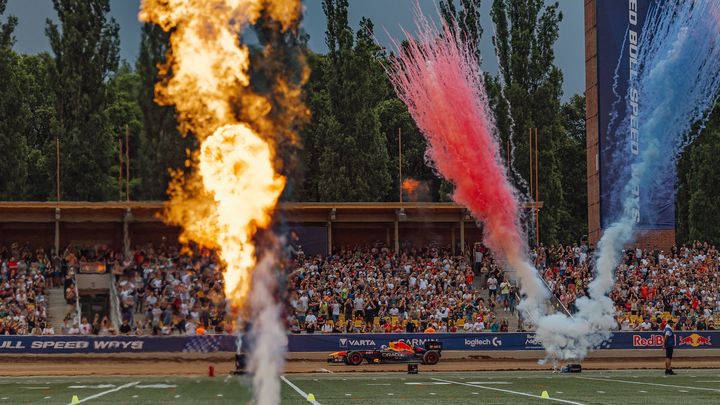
{"points": [[669, 345]]}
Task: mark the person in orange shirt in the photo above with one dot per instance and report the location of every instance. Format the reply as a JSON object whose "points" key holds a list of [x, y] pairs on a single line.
{"points": [[200, 330], [429, 329]]}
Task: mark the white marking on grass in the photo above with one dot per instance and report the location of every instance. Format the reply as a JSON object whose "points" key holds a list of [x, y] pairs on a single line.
{"points": [[390, 393], [134, 396], [600, 392], [683, 391], [348, 395], [35, 388], [432, 393], [177, 396], [157, 386], [489, 382], [47, 398], [4, 398], [510, 392], [558, 392], [93, 386], [423, 383], [116, 389], [476, 393], [219, 395], [649, 383], [298, 390], [642, 392], [372, 384]]}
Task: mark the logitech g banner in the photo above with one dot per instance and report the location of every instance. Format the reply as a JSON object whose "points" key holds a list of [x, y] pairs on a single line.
{"points": [[490, 341], [450, 341], [329, 342], [619, 28]]}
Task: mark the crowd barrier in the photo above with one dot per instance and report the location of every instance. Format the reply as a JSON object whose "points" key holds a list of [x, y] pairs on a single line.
{"points": [[330, 342]]}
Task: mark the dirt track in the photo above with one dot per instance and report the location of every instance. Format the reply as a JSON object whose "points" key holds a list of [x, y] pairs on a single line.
{"points": [[68, 366]]}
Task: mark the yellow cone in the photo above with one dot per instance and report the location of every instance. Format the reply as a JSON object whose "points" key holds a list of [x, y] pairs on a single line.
{"points": [[545, 395], [75, 400], [311, 397]]}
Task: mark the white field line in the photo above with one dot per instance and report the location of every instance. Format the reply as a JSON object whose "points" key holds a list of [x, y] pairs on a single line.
{"points": [[649, 383], [99, 394], [510, 392], [298, 390]]}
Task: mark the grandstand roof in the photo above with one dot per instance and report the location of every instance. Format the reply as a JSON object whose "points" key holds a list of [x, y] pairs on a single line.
{"points": [[149, 211]]}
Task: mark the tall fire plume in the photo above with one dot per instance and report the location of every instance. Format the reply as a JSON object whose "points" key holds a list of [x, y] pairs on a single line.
{"points": [[234, 183]]}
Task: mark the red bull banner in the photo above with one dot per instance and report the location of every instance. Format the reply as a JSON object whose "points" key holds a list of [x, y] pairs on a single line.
{"points": [[683, 340]]}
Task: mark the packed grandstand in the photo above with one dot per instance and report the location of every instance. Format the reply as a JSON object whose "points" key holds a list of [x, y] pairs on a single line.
{"points": [[164, 290]]}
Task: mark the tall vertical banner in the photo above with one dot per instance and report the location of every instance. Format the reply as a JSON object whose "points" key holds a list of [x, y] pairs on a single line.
{"points": [[619, 29]]}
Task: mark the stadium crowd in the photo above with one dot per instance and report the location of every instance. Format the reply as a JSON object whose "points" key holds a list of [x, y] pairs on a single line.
{"points": [[368, 289], [24, 276], [651, 285], [165, 290]]}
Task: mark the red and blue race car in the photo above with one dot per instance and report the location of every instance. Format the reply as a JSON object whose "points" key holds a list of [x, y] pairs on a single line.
{"points": [[394, 352]]}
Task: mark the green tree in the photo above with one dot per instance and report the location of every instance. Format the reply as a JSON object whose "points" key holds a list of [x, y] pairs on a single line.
{"points": [[526, 31], [161, 147], [13, 115], [278, 72], [40, 102], [697, 211], [318, 101], [85, 47], [124, 110], [394, 115], [573, 169], [354, 164], [467, 20]]}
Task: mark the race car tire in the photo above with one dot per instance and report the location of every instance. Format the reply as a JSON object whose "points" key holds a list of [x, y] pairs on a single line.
{"points": [[430, 357], [354, 358]]}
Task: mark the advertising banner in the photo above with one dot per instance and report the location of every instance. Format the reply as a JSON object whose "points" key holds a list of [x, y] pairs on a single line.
{"points": [[619, 29], [330, 342], [115, 344]]}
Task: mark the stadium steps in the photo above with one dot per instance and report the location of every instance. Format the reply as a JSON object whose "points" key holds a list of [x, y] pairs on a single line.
{"points": [[57, 308], [500, 315]]}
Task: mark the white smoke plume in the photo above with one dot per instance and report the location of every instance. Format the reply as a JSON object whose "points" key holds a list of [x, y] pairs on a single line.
{"points": [[267, 334]]}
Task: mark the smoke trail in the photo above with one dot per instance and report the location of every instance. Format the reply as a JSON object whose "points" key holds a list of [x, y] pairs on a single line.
{"points": [[442, 85], [676, 85], [268, 335]]}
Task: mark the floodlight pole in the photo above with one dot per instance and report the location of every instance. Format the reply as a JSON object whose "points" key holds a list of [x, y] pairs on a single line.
{"points": [[537, 191], [400, 179], [120, 169], [127, 163]]}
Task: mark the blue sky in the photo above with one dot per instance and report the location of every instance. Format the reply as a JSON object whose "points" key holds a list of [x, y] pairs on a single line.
{"points": [[388, 15]]}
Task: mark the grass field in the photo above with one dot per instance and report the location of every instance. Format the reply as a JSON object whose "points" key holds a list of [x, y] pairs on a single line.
{"points": [[606, 387]]}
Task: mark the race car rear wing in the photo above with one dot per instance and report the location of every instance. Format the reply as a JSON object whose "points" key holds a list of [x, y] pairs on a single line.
{"points": [[433, 345]]}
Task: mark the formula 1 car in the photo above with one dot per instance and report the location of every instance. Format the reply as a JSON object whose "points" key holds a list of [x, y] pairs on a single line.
{"points": [[395, 352]]}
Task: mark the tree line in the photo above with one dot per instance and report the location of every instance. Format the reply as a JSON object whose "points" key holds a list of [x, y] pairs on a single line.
{"points": [[81, 99]]}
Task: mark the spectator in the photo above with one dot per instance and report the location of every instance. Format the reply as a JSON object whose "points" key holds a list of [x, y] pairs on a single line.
{"points": [[85, 327], [125, 328]]}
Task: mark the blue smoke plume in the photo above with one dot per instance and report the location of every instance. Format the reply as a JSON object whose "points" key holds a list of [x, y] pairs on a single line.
{"points": [[672, 88]]}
